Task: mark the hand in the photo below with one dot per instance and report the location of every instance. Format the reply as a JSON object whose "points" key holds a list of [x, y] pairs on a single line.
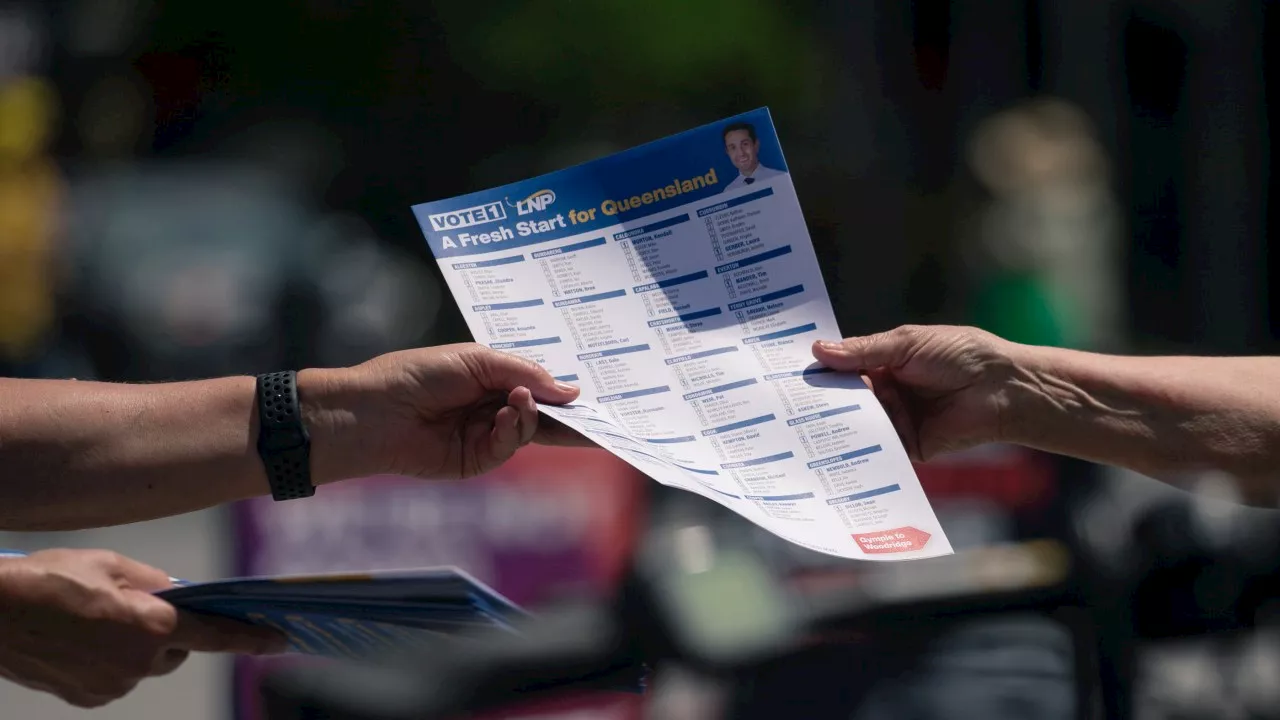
{"points": [[446, 412], [85, 626], [944, 388]]}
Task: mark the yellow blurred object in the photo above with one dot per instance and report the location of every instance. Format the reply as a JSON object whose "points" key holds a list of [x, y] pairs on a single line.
{"points": [[28, 108], [30, 189]]}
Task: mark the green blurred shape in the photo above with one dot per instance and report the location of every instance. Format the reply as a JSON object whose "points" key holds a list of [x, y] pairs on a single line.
{"points": [[627, 52], [1019, 307]]}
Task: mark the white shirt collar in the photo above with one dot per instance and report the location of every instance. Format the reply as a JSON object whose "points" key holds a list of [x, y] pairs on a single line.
{"points": [[759, 167]]}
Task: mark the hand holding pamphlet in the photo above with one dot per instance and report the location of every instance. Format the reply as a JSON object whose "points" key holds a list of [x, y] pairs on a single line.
{"points": [[352, 616], [675, 282]]}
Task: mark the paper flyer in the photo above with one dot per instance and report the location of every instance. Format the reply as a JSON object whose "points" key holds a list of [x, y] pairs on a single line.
{"points": [[677, 285], [351, 616]]}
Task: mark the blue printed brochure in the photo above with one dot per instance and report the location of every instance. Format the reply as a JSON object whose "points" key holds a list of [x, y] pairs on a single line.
{"points": [[676, 283], [372, 616], [352, 616]]}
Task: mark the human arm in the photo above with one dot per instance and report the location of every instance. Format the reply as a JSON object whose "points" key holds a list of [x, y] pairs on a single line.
{"points": [[87, 454], [949, 388], [1155, 415]]}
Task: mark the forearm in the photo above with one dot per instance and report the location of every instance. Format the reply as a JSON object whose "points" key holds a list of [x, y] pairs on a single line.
{"points": [[85, 454], [1157, 415]]}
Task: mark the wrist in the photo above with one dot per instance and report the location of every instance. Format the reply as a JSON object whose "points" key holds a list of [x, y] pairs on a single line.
{"points": [[15, 572], [1059, 398], [1020, 402], [330, 400]]}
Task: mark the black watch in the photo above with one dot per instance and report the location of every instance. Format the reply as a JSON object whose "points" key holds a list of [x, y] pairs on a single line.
{"points": [[283, 442]]}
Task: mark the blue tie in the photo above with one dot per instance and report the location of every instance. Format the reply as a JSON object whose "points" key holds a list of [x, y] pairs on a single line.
{"points": [[748, 180]]}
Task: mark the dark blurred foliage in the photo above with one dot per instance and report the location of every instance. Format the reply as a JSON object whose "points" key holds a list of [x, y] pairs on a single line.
{"points": [[372, 107]]}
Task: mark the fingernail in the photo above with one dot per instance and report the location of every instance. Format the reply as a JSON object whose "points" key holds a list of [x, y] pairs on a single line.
{"points": [[566, 387], [829, 345]]}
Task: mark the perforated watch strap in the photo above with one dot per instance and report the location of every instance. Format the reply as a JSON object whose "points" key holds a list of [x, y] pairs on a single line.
{"points": [[283, 442]]}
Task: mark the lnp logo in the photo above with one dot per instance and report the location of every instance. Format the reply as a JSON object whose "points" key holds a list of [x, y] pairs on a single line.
{"points": [[536, 202]]}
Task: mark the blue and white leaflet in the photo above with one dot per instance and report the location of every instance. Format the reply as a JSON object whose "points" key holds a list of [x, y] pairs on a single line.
{"points": [[677, 285]]}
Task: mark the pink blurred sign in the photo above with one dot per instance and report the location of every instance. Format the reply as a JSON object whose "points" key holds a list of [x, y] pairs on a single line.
{"points": [[550, 523]]}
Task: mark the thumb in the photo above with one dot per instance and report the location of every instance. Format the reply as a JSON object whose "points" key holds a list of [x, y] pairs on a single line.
{"points": [[503, 371], [886, 349]]}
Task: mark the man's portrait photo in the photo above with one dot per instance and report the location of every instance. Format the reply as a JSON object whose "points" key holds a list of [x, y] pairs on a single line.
{"points": [[743, 148]]}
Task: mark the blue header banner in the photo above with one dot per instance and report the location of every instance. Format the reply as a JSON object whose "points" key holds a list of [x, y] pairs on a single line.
{"points": [[622, 189]]}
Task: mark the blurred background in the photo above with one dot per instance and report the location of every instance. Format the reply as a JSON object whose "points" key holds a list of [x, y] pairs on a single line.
{"points": [[191, 189]]}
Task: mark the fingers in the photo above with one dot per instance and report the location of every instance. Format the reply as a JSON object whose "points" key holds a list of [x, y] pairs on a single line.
{"points": [[502, 371], [206, 633], [522, 400], [71, 686], [139, 576], [882, 384], [504, 437], [866, 379], [886, 349], [169, 661], [511, 425], [154, 614]]}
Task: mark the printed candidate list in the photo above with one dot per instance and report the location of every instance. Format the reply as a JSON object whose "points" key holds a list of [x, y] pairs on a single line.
{"points": [[677, 285]]}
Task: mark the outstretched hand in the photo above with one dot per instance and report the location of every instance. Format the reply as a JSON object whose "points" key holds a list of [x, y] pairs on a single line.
{"points": [[457, 411], [447, 412], [944, 388]]}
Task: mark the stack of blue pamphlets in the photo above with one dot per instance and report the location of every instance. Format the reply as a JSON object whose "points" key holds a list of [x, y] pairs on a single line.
{"points": [[364, 616], [353, 616]]}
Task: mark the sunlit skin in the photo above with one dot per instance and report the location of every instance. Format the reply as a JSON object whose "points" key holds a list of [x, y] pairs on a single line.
{"points": [[743, 151]]}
